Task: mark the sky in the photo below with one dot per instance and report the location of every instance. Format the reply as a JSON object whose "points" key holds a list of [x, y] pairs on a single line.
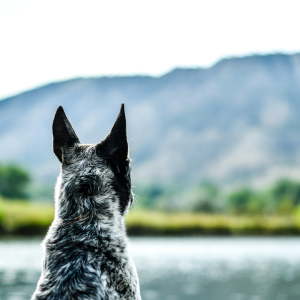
{"points": [[49, 40]]}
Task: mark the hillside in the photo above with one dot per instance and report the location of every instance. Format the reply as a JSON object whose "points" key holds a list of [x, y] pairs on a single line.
{"points": [[237, 121]]}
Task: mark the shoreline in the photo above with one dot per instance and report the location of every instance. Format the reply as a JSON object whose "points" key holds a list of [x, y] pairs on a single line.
{"points": [[19, 218]]}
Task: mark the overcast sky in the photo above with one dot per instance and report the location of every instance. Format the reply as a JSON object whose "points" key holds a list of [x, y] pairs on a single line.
{"points": [[49, 40]]}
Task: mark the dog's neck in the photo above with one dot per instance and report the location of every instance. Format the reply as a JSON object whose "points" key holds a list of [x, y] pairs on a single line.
{"points": [[92, 225]]}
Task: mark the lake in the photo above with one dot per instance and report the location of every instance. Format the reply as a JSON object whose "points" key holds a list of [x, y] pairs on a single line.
{"points": [[181, 268]]}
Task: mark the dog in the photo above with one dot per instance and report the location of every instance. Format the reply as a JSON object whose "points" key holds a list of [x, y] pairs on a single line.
{"points": [[86, 252]]}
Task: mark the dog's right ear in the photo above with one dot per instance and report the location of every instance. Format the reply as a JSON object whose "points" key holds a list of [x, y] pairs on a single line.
{"points": [[63, 133], [115, 145]]}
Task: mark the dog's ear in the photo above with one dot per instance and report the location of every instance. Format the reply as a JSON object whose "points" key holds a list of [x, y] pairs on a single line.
{"points": [[115, 145], [63, 133]]}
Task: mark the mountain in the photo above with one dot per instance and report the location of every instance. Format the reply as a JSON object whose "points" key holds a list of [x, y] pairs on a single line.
{"points": [[235, 122]]}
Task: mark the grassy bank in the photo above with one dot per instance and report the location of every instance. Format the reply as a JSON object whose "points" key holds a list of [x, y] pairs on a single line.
{"points": [[25, 218], [148, 223]]}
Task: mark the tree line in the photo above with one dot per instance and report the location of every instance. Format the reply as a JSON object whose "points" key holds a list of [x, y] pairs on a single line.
{"points": [[283, 197]]}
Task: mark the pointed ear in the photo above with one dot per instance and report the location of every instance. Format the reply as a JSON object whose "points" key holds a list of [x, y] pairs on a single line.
{"points": [[115, 145], [63, 133]]}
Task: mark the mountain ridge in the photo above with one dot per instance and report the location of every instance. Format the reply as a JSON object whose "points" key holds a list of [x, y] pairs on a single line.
{"points": [[233, 122]]}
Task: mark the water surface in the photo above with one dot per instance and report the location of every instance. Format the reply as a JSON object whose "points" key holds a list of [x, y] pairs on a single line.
{"points": [[183, 268]]}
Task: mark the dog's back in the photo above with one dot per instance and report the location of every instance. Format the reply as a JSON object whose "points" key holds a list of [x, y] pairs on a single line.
{"points": [[86, 247]]}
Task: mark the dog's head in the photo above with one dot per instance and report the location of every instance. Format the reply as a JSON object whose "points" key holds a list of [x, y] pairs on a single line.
{"points": [[93, 177]]}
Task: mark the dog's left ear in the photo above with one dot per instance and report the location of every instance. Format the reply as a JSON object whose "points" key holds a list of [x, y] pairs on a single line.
{"points": [[115, 145]]}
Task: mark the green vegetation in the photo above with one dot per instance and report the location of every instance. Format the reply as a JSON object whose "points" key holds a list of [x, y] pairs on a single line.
{"points": [[157, 223], [282, 198], [164, 210], [14, 181], [25, 218]]}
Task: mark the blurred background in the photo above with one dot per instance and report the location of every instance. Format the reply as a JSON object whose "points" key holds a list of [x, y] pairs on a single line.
{"points": [[212, 94]]}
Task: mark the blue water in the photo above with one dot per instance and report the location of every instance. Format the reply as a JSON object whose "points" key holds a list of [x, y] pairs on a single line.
{"points": [[185, 268]]}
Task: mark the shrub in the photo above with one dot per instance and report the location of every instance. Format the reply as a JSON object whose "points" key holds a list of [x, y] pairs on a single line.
{"points": [[14, 181]]}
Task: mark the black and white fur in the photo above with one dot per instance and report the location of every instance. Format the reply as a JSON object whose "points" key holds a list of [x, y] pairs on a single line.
{"points": [[86, 254]]}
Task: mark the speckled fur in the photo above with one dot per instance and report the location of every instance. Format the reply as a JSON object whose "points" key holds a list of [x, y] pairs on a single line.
{"points": [[86, 254]]}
